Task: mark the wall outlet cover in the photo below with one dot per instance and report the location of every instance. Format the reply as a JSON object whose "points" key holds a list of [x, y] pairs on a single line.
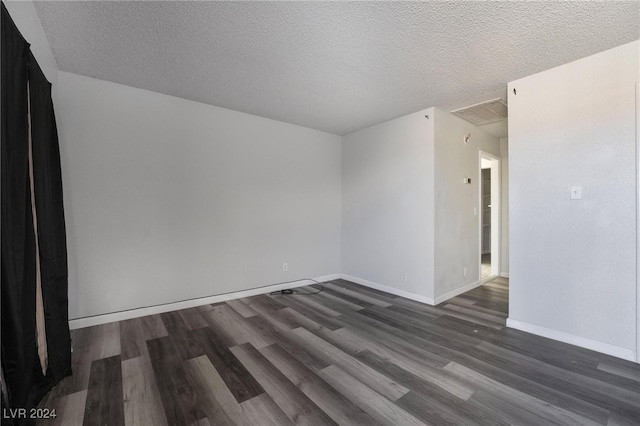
{"points": [[576, 192]]}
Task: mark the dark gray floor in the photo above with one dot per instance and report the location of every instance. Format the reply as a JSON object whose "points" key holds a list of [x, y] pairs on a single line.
{"points": [[348, 355]]}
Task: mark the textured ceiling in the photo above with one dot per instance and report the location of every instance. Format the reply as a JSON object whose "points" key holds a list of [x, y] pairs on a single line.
{"points": [[333, 66]]}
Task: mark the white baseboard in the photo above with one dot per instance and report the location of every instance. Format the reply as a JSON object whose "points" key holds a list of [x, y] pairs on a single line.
{"points": [[387, 289], [457, 291], [168, 307], [504, 274], [583, 342]]}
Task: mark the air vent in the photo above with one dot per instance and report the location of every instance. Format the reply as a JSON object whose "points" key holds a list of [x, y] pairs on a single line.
{"points": [[484, 113]]}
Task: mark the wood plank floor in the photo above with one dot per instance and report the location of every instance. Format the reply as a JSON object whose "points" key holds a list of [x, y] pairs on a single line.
{"points": [[348, 355]]}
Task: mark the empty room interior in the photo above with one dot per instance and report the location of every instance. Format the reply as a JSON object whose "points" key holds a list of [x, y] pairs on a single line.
{"points": [[320, 213]]}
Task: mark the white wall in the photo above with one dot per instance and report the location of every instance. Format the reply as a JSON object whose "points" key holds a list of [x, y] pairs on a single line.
{"points": [[26, 18], [168, 199], [387, 196], [504, 193], [457, 235], [573, 262]]}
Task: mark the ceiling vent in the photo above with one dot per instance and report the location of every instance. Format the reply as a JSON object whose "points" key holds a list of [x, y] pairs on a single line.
{"points": [[484, 113]]}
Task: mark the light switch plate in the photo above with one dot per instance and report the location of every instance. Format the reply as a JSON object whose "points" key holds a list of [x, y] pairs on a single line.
{"points": [[576, 193]]}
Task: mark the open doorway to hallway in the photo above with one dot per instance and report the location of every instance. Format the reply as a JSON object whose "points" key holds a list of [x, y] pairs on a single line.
{"points": [[485, 214], [489, 223]]}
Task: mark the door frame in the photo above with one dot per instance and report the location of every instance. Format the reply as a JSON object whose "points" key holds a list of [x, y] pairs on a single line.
{"points": [[638, 222], [496, 214]]}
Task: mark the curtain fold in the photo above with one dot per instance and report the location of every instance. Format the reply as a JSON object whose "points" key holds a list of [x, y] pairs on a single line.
{"points": [[41, 332], [51, 230], [26, 92]]}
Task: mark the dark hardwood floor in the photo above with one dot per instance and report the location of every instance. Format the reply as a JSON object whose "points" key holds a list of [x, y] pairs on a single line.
{"points": [[348, 355]]}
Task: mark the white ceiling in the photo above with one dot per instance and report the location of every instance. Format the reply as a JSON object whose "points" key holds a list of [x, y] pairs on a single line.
{"points": [[333, 66]]}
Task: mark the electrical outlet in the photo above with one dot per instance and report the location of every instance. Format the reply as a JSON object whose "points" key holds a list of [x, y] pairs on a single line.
{"points": [[405, 278], [576, 192], [285, 267], [465, 272]]}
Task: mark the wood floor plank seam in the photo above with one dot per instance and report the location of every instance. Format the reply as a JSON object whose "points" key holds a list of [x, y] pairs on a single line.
{"points": [[105, 402], [341, 410], [297, 406], [375, 380], [140, 393], [541, 411], [603, 388], [380, 408]]}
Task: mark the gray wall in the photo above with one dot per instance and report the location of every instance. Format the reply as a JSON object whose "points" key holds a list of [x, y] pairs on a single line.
{"points": [[168, 199], [457, 232], [573, 262], [387, 199]]}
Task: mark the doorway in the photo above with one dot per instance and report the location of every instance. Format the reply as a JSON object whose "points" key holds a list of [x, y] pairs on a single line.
{"points": [[489, 217]]}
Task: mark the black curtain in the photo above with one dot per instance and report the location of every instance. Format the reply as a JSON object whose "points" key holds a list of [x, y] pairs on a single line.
{"points": [[25, 382], [51, 228]]}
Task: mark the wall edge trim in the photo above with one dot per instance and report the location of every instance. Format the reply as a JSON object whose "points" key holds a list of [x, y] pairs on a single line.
{"points": [[455, 292], [191, 303], [583, 342], [390, 290]]}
